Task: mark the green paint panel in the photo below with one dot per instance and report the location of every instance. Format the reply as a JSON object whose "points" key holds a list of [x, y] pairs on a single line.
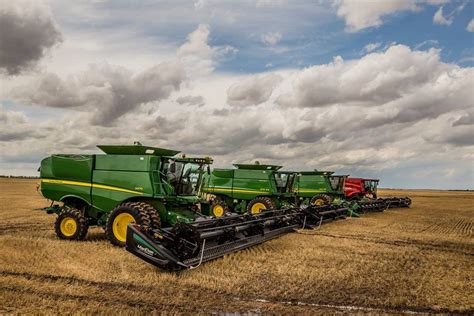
{"points": [[308, 184], [126, 162], [61, 171], [72, 167], [59, 192], [115, 183]]}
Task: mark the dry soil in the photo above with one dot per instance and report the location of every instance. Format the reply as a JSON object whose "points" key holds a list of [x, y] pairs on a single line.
{"points": [[401, 261]]}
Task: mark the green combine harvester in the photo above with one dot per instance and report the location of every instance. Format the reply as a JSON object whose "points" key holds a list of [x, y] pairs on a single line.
{"points": [[148, 199], [249, 188], [319, 187], [127, 184]]}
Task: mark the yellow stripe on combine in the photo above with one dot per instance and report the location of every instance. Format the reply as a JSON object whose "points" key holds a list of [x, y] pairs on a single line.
{"points": [[235, 190], [81, 184], [86, 184], [106, 187], [310, 191]]}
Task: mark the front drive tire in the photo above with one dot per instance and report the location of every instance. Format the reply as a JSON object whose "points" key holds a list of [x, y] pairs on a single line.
{"points": [[71, 224], [219, 208], [127, 213], [260, 204], [321, 199]]}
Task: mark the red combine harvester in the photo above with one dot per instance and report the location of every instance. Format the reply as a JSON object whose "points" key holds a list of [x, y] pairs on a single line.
{"points": [[359, 189]]}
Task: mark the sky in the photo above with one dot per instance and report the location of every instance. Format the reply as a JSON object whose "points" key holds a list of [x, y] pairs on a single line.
{"points": [[369, 88]]}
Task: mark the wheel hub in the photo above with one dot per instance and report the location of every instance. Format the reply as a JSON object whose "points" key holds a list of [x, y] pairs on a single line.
{"points": [[218, 211], [68, 226], [257, 208], [120, 225]]}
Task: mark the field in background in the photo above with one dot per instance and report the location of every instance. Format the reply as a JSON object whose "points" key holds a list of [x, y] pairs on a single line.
{"points": [[414, 260]]}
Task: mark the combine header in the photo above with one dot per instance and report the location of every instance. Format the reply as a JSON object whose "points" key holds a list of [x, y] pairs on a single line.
{"points": [[187, 245], [394, 202]]}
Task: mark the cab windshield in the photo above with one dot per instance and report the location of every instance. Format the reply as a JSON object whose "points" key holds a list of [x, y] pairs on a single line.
{"points": [[284, 181], [370, 185], [183, 176], [336, 182]]}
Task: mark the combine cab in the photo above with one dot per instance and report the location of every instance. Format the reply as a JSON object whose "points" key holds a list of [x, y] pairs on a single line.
{"points": [[149, 186]]}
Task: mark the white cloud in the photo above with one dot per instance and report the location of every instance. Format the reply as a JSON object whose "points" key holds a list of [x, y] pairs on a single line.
{"points": [[442, 19], [470, 26], [395, 111], [379, 78], [362, 14], [191, 100], [427, 43], [196, 44], [425, 125], [15, 126], [271, 38], [198, 55], [106, 91], [253, 90], [438, 18], [371, 47]]}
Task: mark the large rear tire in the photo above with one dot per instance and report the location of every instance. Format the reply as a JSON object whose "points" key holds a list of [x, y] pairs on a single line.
{"points": [[321, 199], [124, 214], [71, 224], [260, 204], [155, 221]]}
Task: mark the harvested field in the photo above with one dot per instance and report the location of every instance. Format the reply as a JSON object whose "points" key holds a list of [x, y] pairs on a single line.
{"points": [[404, 260]]}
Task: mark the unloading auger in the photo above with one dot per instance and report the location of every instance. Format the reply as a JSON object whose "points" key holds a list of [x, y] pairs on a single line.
{"points": [[187, 245]]}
